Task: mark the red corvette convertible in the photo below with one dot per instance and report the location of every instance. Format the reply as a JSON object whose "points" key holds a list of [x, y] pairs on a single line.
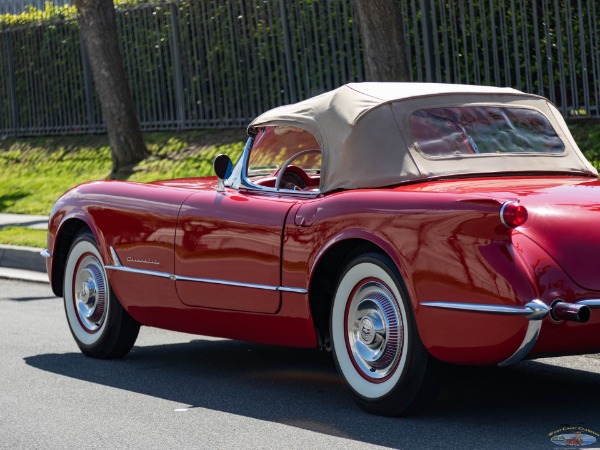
{"points": [[394, 224]]}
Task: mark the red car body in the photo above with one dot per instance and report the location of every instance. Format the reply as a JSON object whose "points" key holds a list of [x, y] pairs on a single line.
{"points": [[452, 240], [191, 255]]}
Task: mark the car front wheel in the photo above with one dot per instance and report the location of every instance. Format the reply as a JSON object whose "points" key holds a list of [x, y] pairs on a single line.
{"points": [[98, 322], [376, 345]]}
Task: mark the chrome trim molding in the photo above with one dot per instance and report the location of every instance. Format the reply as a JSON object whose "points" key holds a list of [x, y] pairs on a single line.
{"points": [[531, 336], [264, 287], [115, 257], [293, 290], [533, 310], [590, 303], [539, 310], [46, 254], [504, 205], [153, 273], [237, 178]]}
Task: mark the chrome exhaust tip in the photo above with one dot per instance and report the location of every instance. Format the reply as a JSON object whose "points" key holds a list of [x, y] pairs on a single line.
{"points": [[570, 311]]}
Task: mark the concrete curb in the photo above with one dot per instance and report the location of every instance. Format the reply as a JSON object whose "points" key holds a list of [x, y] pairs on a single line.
{"points": [[23, 258], [22, 263]]}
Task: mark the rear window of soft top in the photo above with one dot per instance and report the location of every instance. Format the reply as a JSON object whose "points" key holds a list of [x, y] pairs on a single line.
{"points": [[472, 130]]}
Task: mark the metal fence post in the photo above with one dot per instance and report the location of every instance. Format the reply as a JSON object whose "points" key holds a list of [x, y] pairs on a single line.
{"points": [[176, 60], [12, 85], [92, 125], [427, 35], [291, 80]]}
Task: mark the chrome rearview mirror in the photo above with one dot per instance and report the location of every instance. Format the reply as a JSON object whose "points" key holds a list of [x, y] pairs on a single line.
{"points": [[222, 166]]}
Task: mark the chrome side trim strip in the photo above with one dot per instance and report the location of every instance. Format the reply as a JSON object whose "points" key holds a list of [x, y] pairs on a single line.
{"points": [[46, 254], [533, 310], [151, 273], [531, 336], [264, 287], [591, 303], [292, 290], [119, 267], [474, 307]]}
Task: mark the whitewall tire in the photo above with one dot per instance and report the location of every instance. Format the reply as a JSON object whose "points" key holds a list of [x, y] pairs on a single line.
{"points": [[376, 344], [98, 322]]}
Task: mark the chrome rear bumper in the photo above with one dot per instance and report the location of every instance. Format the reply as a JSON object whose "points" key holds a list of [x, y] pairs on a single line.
{"points": [[534, 311]]}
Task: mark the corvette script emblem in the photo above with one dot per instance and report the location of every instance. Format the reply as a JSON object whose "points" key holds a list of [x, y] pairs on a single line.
{"points": [[143, 261]]}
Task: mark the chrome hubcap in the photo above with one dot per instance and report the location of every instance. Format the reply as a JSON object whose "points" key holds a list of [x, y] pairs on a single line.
{"points": [[375, 331], [90, 296]]}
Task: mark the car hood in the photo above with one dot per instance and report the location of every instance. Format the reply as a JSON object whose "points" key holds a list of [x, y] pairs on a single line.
{"points": [[564, 217]]}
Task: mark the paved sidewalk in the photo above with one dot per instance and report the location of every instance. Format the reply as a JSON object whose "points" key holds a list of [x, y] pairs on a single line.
{"points": [[22, 263]]}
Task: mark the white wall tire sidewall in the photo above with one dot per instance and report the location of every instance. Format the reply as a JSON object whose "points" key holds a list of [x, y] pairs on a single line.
{"points": [[82, 335], [355, 380]]}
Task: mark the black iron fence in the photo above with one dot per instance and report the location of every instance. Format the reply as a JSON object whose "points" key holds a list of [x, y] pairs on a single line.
{"points": [[546, 47], [218, 63]]}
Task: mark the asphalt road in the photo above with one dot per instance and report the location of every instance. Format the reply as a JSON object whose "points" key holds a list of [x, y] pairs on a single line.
{"points": [[182, 391]]}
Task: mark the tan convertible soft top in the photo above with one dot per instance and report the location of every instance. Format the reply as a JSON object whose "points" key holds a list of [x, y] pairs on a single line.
{"points": [[366, 141]]}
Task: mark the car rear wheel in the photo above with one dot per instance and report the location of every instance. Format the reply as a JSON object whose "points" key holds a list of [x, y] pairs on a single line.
{"points": [[376, 345], [98, 322]]}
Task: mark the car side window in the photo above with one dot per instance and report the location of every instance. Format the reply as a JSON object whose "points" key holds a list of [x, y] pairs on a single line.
{"points": [[287, 148]]}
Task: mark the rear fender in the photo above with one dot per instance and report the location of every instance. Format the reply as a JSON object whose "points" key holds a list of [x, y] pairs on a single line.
{"points": [[359, 235]]}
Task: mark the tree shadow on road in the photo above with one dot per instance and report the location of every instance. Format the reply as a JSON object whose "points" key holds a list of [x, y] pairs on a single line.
{"points": [[491, 407]]}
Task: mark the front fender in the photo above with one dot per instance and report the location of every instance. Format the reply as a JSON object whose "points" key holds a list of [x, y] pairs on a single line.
{"points": [[67, 218]]}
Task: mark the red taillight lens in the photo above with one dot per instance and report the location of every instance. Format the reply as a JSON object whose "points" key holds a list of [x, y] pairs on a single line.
{"points": [[513, 215]]}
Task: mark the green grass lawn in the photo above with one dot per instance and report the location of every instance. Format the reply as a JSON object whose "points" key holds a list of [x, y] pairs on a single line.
{"points": [[34, 172], [23, 236]]}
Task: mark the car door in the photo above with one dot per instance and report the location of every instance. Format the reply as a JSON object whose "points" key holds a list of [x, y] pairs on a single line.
{"points": [[228, 250], [228, 241]]}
